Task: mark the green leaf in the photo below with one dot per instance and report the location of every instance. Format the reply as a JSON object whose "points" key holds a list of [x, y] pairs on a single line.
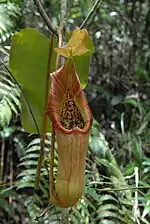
{"points": [[33, 148], [83, 62], [29, 163], [25, 183], [5, 206], [28, 63], [129, 169], [97, 141], [5, 112], [107, 207], [107, 221], [7, 192], [137, 150], [10, 12], [27, 172], [116, 100], [30, 156], [107, 214], [107, 197], [135, 103], [92, 192]]}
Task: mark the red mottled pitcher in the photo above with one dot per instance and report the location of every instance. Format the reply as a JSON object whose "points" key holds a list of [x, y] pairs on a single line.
{"points": [[72, 120]]}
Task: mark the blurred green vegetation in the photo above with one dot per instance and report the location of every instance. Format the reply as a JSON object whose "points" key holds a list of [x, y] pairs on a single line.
{"points": [[119, 96]]}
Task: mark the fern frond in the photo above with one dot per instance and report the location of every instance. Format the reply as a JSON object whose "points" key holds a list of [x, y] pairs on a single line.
{"points": [[94, 207], [9, 15], [29, 162], [38, 205], [9, 99]]}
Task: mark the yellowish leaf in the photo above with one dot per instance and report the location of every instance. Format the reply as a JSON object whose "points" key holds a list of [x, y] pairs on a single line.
{"points": [[76, 45]]}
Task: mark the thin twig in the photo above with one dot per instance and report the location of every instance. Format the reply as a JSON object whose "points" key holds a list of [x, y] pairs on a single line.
{"points": [[45, 16], [124, 189], [135, 204], [62, 30], [48, 208], [63, 19], [2, 158], [40, 160], [62, 36], [11, 173], [51, 179], [58, 62], [97, 3]]}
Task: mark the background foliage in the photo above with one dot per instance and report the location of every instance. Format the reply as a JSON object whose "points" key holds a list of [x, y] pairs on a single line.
{"points": [[118, 93]]}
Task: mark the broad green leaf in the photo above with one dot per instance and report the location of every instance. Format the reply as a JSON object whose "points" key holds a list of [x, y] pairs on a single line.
{"points": [[28, 63], [82, 62]]}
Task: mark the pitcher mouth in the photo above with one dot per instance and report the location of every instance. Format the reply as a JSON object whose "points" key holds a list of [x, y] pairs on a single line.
{"points": [[70, 114], [68, 108]]}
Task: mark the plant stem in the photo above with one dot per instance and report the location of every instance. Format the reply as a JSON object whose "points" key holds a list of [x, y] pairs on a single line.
{"points": [[62, 30], [2, 158], [58, 62], [124, 189], [40, 160], [45, 16], [97, 3], [63, 19], [135, 204], [51, 179], [62, 35]]}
